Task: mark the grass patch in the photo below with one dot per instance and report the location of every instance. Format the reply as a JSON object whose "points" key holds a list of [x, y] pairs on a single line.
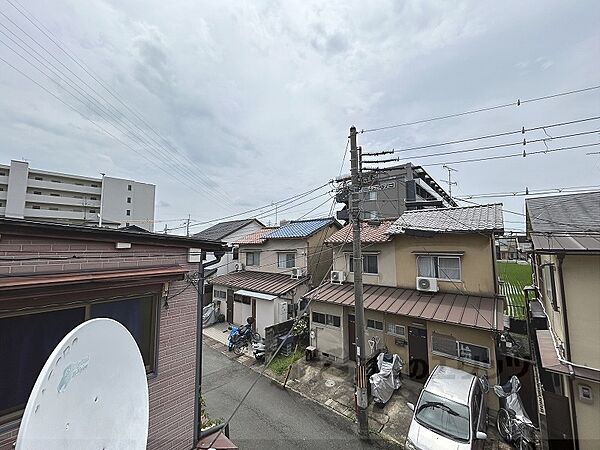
{"points": [[515, 277], [280, 364]]}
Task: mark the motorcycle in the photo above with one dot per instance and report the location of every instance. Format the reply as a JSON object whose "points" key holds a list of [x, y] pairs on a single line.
{"points": [[513, 424], [239, 338]]}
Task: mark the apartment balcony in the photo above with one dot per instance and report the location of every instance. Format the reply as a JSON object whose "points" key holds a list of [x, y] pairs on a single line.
{"points": [[52, 214], [66, 187], [54, 200], [3, 179]]}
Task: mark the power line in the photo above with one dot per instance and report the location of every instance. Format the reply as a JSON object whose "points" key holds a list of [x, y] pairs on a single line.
{"points": [[528, 192], [188, 173], [487, 136], [475, 111]]}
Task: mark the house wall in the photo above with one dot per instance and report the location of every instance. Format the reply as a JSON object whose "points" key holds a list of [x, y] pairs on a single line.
{"points": [[320, 255], [171, 389], [386, 263], [227, 263], [477, 262], [268, 254], [588, 415], [329, 339]]}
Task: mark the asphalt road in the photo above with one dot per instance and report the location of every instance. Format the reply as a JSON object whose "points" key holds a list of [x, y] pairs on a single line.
{"points": [[271, 418]]}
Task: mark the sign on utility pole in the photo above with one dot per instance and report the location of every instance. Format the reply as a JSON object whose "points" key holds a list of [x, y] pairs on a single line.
{"points": [[361, 370]]}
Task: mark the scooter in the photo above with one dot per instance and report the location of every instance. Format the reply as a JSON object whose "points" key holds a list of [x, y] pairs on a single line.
{"points": [[233, 335]]}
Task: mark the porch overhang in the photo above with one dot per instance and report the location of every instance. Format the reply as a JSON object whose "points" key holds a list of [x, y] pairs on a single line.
{"points": [[550, 362], [254, 294]]}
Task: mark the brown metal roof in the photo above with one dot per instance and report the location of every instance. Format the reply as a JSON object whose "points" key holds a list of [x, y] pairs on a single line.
{"points": [[550, 361], [265, 282], [57, 279], [368, 233], [257, 237], [465, 310]]}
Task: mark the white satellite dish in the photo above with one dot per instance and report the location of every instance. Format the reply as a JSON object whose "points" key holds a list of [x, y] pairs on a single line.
{"points": [[91, 394]]}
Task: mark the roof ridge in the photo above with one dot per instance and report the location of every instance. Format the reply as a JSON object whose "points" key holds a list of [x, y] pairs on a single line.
{"points": [[450, 208]]}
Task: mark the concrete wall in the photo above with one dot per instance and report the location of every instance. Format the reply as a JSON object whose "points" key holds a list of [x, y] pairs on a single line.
{"points": [[171, 389], [477, 262], [17, 187], [329, 339], [115, 206], [386, 263], [268, 254], [588, 415]]}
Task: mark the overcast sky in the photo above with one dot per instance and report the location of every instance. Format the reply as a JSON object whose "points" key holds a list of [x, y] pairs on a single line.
{"points": [[247, 103]]}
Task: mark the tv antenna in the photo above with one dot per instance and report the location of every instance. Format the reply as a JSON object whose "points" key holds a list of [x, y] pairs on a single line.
{"points": [[92, 393], [449, 182]]}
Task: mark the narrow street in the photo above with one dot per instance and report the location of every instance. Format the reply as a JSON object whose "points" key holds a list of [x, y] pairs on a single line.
{"points": [[271, 418]]}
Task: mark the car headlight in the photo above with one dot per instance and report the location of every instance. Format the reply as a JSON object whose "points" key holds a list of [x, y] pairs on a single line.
{"points": [[409, 445]]}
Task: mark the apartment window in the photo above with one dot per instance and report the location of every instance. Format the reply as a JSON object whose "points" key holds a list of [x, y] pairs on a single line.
{"points": [[441, 267], [92, 211], [35, 207], [219, 294], [128, 187], [36, 333], [252, 258], [93, 198], [52, 208], [54, 194], [55, 181], [2, 204], [128, 199], [470, 353], [128, 212], [396, 330], [1, 188], [370, 264], [286, 260], [39, 179], [326, 319], [375, 324], [94, 185]]}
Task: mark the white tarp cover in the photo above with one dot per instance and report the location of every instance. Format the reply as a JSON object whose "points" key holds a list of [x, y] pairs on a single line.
{"points": [[387, 380]]}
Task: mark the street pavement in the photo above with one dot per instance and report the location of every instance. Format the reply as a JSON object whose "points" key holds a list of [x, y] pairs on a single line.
{"points": [[271, 417]]}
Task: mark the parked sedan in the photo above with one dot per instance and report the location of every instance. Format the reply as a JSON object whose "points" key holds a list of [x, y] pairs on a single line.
{"points": [[451, 412]]}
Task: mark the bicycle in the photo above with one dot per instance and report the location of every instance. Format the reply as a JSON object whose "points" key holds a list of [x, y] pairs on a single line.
{"points": [[512, 422]]}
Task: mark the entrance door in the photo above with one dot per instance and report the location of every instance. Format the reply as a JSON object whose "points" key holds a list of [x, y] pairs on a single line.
{"points": [[418, 357], [230, 305], [351, 337]]}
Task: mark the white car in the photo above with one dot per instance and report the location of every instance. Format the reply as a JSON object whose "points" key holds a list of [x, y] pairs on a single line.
{"points": [[451, 412]]}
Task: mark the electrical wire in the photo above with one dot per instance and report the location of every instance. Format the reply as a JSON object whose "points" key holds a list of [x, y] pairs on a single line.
{"points": [[479, 110]]}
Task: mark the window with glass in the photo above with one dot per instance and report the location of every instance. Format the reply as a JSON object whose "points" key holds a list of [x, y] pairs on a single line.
{"points": [[242, 299], [396, 330], [370, 264], [286, 260], [326, 319], [441, 267], [219, 294], [252, 258], [374, 324], [449, 346], [443, 416], [37, 333]]}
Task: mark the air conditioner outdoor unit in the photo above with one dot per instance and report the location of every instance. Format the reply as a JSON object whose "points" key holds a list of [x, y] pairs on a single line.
{"points": [[297, 272], [338, 276], [427, 284], [239, 266]]}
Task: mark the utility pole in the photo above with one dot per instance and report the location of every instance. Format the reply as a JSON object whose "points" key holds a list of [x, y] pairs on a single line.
{"points": [[275, 204], [187, 226], [361, 370], [450, 182]]}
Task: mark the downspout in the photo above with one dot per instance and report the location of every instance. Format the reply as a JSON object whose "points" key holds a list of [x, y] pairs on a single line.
{"points": [[199, 326], [561, 257]]}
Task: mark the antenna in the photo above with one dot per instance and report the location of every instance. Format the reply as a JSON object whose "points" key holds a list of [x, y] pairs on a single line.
{"points": [[450, 182], [92, 393]]}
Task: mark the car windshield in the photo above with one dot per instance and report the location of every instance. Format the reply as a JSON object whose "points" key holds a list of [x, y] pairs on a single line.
{"points": [[443, 416]]}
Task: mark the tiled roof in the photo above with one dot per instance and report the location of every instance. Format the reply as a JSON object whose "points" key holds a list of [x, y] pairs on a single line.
{"points": [[268, 283], [222, 229], [465, 310], [257, 237], [368, 233], [299, 228], [565, 222], [480, 218]]}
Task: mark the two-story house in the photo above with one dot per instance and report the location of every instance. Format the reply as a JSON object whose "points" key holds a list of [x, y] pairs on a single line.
{"points": [[565, 317], [430, 291], [276, 267], [228, 232]]}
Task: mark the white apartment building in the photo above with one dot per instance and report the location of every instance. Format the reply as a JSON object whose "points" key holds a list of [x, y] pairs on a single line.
{"points": [[33, 194]]}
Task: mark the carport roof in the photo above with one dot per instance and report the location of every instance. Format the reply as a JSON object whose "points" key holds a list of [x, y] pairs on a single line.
{"points": [[264, 282], [466, 310]]}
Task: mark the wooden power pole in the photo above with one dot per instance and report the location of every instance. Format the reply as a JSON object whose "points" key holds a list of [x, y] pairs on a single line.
{"points": [[361, 370]]}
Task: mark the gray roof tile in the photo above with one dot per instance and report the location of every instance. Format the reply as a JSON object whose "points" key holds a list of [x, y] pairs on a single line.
{"points": [[218, 231]]}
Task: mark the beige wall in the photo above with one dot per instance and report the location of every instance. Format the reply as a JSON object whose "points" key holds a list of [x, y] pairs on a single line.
{"points": [[588, 416], [268, 254], [477, 262], [582, 291], [386, 263], [320, 255], [328, 339]]}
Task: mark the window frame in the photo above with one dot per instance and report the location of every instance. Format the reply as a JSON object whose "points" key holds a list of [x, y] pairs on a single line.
{"points": [[392, 325], [328, 319], [456, 356], [285, 266], [374, 322], [255, 259], [217, 293], [436, 259], [350, 263], [154, 340]]}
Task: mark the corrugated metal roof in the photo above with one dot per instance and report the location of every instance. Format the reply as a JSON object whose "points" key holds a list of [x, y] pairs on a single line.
{"points": [[222, 229], [568, 242], [258, 237], [299, 228], [480, 218], [368, 233], [265, 282], [465, 310]]}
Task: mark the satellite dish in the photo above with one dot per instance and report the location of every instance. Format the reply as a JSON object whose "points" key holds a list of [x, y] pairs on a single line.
{"points": [[92, 393]]}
